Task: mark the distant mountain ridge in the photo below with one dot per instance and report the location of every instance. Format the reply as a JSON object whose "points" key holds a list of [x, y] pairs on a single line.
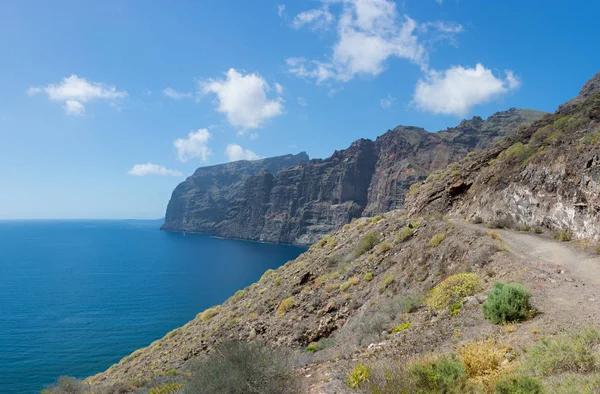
{"points": [[289, 199]]}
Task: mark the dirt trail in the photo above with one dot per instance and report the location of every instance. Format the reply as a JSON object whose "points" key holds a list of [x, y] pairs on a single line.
{"points": [[566, 278]]}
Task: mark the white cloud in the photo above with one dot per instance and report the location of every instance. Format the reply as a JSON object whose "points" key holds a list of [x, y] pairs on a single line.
{"points": [[75, 91], [196, 145], [368, 34], [243, 99], [235, 152], [152, 169], [176, 95], [317, 18], [456, 90], [302, 102], [74, 107], [387, 102], [253, 136]]}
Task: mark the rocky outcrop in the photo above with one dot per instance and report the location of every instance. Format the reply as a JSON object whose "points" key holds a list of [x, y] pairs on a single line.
{"points": [[546, 176], [302, 203]]}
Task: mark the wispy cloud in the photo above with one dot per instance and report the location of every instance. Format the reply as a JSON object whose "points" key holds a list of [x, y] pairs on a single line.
{"points": [[177, 95], [387, 102], [367, 34], [152, 169], [74, 92]]}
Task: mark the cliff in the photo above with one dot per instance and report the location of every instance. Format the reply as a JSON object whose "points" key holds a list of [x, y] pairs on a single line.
{"points": [[546, 176], [266, 201], [202, 201]]}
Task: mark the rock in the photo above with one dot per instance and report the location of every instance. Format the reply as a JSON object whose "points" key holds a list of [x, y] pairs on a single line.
{"points": [[289, 199]]}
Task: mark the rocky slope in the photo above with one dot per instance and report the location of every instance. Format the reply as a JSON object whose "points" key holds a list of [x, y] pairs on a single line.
{"points": [[546, 176], [356, 296], [302, 203]]}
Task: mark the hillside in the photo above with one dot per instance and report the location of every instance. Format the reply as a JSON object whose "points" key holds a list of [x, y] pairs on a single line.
{"points": [[546, 176], [302, 203], [418, 300]]}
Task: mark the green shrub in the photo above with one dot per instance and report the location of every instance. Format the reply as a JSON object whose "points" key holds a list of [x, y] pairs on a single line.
{"points": [[243, 367], [516, 153], [350, 282], [209, 313], [404, 234], [437, 239], [359, 374], [572, 352], [410, 303], [384, 247], [442, 375], [563, 236], [507, 303], [368, 276], [453, 289], [518, 385], [68, 385], [323, 241], [169, 388], [573, 383], [238, 295], [401, 327], [285, 305], [377, 218], [367, 243]]}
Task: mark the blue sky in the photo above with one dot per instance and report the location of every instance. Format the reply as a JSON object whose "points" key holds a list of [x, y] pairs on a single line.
{"points": [[105, 106]]}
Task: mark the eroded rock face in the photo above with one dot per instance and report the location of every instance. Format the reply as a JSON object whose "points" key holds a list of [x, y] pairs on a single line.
{"points": [[308, 199], [546, 176]]}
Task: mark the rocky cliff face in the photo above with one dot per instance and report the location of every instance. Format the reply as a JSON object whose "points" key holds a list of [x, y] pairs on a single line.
{"points": [[302, 203], [546, 176], [202, 201]]}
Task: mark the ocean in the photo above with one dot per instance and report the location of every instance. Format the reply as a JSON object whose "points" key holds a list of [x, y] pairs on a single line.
{"points": [[77, 296]]}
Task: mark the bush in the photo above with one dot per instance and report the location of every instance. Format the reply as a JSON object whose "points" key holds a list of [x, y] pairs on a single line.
{"points": [[377, 218], [171, 388], [209, 313], [368, 242], [368, 276], [507, 303], [563, 236], [384, 247], [68, 385], [285, 305], [359, 374], [410, 303], [243, 367], [350, 282], [570, 383], [404, 234], [518, 385], [389, 378], [437, 239], [442, 375], [566, 353], [453, 289]]}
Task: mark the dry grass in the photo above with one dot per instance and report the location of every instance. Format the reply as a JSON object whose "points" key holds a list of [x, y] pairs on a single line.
{"points": [[483, 362]]}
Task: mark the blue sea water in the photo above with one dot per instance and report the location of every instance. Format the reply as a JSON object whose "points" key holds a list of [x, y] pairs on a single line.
{"points": [[77, 296]]}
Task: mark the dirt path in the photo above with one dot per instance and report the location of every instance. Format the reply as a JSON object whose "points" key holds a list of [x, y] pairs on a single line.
{"points": [[564, 279]]}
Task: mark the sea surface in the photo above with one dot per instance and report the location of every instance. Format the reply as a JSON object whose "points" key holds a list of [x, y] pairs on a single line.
{"points": [[77, 296]]}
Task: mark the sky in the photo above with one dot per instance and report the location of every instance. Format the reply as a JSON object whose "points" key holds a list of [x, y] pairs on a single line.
{"points": [[105, 106]]}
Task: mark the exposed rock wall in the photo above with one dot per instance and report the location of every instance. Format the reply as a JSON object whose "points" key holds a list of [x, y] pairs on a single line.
{"points": [[309, 199], [546, 176]]}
